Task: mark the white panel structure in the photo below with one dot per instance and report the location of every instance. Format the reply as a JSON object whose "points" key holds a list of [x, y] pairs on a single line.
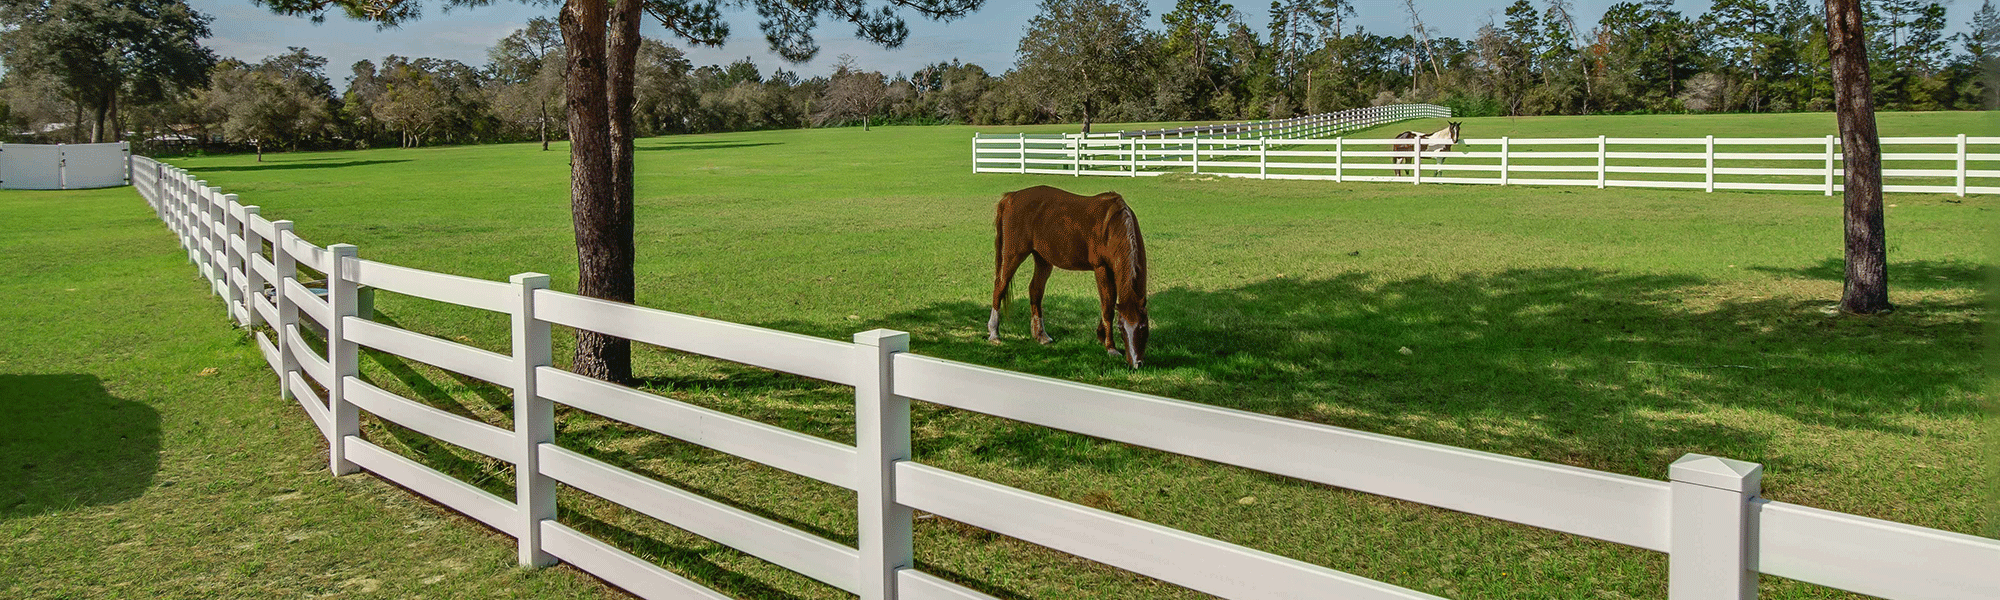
{"points": [[95, 165], [64, 166], [30, 167]]}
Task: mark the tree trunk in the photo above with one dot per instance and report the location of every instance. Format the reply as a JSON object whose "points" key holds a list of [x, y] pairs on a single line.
{"points": [[97, 120], [260, 149], [117, 128], [542, 127], [1867, 289], [593, 193]]}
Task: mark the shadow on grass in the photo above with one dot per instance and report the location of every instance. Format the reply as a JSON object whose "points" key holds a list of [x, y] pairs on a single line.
{"points": [[696, 563], [1592, 368], [703, 145], [285, 166], [67, 443], [1906, 275]]}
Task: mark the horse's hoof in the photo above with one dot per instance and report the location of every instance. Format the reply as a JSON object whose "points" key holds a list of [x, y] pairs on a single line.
{"points": [[995, 340], [1114, 352], [1045, 340]]}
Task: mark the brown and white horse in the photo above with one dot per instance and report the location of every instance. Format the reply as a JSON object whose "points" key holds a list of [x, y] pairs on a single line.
{"points": [[1077, 233], [1439, 142]]}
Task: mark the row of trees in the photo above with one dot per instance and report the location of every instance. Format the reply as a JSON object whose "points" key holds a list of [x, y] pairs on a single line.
{"points": [[1535, 59], [1079, 60]]}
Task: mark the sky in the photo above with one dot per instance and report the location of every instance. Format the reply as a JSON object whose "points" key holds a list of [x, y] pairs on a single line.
{"points": [[987, 37]]}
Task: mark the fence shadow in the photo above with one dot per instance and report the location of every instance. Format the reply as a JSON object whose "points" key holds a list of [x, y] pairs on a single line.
{"points": [[306, 164], [66, 442], [1592, 368]]}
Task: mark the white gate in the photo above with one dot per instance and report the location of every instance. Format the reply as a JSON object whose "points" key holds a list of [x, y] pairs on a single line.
{"points": [[64, 166]]}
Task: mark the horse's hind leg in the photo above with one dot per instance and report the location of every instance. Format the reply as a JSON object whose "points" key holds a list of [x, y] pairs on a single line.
{"points": [[1003, 276], [1035, 286]]}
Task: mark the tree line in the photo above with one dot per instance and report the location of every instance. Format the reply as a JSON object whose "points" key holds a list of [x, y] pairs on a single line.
{"points": [[1078, 60]]}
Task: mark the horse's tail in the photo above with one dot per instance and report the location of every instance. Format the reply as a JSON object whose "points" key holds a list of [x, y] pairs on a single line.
{"points": [[999, 250]]}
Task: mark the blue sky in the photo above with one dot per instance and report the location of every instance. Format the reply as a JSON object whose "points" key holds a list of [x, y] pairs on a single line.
{"points": [[987, 38]]}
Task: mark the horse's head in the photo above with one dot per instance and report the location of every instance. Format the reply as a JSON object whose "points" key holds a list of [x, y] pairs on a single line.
{"points": [[1138, 326]]}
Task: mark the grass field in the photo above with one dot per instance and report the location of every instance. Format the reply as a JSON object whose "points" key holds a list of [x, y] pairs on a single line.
{"points": [[1611, 329]]}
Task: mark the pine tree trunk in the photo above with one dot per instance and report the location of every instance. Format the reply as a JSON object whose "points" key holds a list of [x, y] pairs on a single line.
{"points": [[1867, 289], [620, 75], [593, 200]]}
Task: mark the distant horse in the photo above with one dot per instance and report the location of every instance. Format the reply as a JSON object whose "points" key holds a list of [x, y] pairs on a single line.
{"points": [[1439, 142], [1077, 233]]}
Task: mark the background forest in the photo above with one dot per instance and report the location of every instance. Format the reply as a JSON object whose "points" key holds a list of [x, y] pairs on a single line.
{"points": [[1078, 60]]}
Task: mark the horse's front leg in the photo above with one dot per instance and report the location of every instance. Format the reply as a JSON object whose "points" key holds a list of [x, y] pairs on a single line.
{"points": [[1440, 169], [1107, 300], [1035, 287]]}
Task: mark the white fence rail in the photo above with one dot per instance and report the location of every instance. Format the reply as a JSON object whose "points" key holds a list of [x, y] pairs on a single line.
{"points": [[64, 166], [1707, 516], [1943, 165]]}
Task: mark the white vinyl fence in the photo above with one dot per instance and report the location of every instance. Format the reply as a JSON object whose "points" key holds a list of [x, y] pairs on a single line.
{"points": [[1309, 126], [1949, 165], [1707, 516], [64, 166]]}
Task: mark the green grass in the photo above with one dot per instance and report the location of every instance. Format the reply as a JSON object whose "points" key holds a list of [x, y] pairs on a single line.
{"points": [[1611, 329], [145, 452]]}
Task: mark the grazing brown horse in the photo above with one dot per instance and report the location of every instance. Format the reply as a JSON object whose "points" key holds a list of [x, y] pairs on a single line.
{"points": [[1077, 233], [1439, 142]]}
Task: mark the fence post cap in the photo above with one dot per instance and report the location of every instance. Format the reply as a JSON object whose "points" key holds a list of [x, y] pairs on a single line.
{"points": [[342, 249], [882, 337], [250, 209], [530, 279], [1717, 472], [285, 224]]}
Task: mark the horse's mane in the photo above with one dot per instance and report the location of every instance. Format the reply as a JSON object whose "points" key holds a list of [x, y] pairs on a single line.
{"points": [[1132, 280]]}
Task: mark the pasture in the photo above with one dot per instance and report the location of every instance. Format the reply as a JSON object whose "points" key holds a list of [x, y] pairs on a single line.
{"points": [[1612, 329]]}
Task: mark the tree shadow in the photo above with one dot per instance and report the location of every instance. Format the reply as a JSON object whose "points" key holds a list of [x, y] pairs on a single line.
{"points": [[1592, 368], [1909, 274], [67, 443], [696, 563], [703, 145], [285, 166]]}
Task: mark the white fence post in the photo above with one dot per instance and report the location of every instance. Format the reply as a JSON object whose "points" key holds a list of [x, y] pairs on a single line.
{"points": [[882, 435], [341, 355], [534, 421], [204, 210], [1195, 143], [1076, 155], [1339, 159], [1709, 555], [1263, 157], [1024, 154], [1417, 161], [1600, 162], [288, 315], [233, 258], [1135, 157], [1961, 165], [1829, 165], [1711, 164], [1504, 157], [253, 281]]}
